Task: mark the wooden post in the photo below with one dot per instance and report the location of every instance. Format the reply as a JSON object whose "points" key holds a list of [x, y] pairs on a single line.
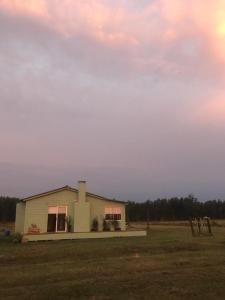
{"points": [[192, 228], [209, 226], [199, 225], [147, 227], [127, 221]]}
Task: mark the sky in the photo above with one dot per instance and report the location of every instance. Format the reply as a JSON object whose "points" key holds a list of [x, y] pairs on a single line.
{"points": [[128, 95]]}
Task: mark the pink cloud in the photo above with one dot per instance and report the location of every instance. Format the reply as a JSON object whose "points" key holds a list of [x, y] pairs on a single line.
{"points": [[163, 25], [211, 112], [71, 18], [26, 7]]}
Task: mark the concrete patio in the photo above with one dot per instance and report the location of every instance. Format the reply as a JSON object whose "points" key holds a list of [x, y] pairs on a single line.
{"points": [[82, 235]]}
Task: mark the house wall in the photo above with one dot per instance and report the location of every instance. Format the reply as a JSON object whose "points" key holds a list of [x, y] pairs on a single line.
{"points": [[20, 214], [37, 209], [97, 210]]}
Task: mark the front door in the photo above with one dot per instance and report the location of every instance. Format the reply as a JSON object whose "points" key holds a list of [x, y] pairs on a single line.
{"points": [[61, 222], [51, 222]]}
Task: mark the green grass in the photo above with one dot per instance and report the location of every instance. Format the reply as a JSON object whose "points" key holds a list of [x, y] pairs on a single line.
{"points": [[168, 264]]}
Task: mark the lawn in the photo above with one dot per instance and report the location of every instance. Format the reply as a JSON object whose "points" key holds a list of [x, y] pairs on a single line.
{"points": [[168, 264]]}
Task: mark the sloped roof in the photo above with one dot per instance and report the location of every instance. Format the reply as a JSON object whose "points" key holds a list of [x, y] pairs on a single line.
{"points": [[68, 188]]}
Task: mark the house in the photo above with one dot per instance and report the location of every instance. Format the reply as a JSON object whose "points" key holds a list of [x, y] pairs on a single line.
{"points": [[67, 213]]}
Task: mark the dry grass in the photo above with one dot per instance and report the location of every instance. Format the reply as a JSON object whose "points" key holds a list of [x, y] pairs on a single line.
{"points": [[143, 225], [7, 225], [168, 264]]}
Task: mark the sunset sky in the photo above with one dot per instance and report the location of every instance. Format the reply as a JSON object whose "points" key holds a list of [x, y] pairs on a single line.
{"points": [[126, 94]]}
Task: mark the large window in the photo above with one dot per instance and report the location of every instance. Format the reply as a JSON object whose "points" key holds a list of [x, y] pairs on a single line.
{"points": [[57, 218], [113, 213]]}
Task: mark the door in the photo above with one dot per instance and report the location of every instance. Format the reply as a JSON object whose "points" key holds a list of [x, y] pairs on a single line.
{"points": [[51, 222], [57, 218], [61, 222]]}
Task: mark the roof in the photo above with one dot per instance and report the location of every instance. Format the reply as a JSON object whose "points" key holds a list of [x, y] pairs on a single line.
{"points": [[68, 188]]}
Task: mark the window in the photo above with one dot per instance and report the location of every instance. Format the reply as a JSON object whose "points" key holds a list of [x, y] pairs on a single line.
{"points": [[113, 217], [113, 213], [57, 218]]}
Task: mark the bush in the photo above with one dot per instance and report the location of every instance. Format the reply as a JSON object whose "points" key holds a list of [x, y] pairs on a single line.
{"points": [[105, 225], [7, 232], [95, 224], [115, 225], [68, 223], [17, 237]]}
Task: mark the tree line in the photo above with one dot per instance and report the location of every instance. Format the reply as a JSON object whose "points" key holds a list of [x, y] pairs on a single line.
{"points": [[8, 209], [154, 210], [175, 209]]}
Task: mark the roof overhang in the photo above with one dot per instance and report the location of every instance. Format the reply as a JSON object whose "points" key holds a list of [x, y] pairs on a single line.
{"points": [[68, 188]]}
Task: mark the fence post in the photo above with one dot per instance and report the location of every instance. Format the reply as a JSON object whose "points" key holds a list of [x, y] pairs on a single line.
{"points": [[192, 228], [209, 226], [147, 227], [199, 225]]}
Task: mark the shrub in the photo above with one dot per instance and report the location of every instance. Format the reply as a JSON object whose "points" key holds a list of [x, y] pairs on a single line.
{"points": [[105, 225], [68, 223], [7, 232], [17, 237], [95, 224], [115, 225]]}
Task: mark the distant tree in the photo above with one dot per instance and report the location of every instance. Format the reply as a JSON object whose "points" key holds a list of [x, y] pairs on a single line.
{"points": [[8, 209], [174, 209]]}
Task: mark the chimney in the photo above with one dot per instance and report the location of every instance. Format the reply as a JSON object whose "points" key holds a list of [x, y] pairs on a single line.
{"points": [[81, 191]]}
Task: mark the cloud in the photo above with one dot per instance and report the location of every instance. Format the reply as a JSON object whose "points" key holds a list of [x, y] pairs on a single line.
{"points": [[70, 18], [211, 112], [172, 36]]}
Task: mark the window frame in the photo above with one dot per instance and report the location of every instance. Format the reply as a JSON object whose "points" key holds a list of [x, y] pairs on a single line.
{"points": [[113, 213]]}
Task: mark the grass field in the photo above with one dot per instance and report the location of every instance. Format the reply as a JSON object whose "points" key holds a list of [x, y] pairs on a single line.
{"points": [[168, 264]]}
